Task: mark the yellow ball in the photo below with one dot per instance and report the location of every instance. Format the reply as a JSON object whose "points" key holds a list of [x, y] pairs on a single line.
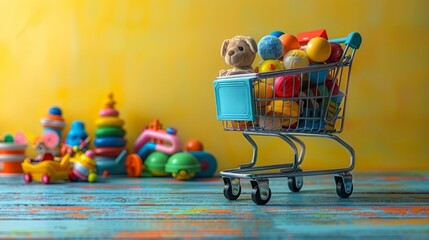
{"points": [[271, 65], [318, 49]]}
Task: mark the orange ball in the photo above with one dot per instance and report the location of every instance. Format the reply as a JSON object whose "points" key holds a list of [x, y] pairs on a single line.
{"points": [[194, 145], [289, 42], [263, 90]]}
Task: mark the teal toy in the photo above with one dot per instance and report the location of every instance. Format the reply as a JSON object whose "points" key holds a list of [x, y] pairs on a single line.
{"points": [[77, 135], [182, 166], [208, 163]]}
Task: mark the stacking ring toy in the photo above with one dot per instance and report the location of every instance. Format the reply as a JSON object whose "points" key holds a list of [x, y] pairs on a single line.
{"points": [[52, 123], [109, 142], [108, 112], [109, 122], [109, 132], [108, 151]]}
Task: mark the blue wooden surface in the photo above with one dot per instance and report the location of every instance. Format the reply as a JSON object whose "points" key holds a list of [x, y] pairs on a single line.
{"points": [[383, 205]]}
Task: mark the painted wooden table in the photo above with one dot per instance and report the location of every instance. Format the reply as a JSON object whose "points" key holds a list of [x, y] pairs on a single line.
{"points": [[383, 205]]}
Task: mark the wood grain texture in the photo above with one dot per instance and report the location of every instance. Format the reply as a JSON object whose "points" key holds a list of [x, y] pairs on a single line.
{"points": [[383, 205]]}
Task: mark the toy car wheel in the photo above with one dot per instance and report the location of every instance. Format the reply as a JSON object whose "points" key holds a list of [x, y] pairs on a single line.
{"points": [[72, 177], [46, 179], [295, 183], [27, 178], [92, 177], [134, 165]]}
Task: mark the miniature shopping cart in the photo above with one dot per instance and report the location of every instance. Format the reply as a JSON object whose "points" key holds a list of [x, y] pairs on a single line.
{"points": [[288, 104]]}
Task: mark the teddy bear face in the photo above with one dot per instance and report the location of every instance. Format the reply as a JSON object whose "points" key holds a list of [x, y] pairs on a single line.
{"points": [[239, 51]]}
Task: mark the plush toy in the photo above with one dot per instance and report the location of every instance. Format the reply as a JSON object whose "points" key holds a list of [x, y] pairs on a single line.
{"points": [[239, 52]]}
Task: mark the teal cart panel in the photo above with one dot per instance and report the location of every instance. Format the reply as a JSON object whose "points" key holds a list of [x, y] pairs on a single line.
{"points": [[234, 99]]}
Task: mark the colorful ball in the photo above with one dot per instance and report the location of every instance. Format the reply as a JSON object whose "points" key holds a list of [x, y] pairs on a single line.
{"points": [[336, 52], [318, 49], [270, 66], [289, 42], [263, 90], [270, 47], [277, 33], [287, 86], [331, 84], [318, 77], [295, 59], [194, 145]]}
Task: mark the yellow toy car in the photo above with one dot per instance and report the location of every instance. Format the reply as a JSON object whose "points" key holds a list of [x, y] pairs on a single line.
{"points": [[47, 170]]}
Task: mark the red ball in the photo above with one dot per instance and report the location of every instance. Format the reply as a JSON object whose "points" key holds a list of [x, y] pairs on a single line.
{"points": [[330, 84], [336, 53], [287, 86], [194, 145]]}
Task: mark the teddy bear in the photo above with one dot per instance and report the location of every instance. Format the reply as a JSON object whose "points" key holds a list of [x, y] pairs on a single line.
{"points": [[238, 52]]}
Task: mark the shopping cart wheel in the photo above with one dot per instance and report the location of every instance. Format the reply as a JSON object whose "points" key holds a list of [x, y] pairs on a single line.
{"points": [[261, 192], [344, 185], [232, 189], [295, 183]]}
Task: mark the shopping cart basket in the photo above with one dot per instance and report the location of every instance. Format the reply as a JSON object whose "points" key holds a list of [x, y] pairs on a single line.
{"points": [[288, 104]]}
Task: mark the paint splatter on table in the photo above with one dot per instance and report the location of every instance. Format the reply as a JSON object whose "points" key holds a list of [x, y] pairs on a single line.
{"points": [[385, 205]]}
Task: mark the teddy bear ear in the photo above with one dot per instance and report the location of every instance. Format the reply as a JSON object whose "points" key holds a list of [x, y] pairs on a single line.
{"points": [[252, 44], [224, 47]]}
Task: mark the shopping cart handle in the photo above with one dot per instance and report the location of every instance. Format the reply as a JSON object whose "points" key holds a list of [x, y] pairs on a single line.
{"points": [[353, 40]]}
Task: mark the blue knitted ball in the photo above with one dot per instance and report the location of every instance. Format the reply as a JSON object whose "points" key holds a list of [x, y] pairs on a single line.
{"points": [[270, 47]]}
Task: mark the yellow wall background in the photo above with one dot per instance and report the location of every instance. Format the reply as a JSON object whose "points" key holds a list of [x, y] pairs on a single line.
{"points": [[159, 58]]}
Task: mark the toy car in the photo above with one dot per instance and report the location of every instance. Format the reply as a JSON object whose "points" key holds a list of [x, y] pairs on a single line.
{"points": [[46, 170]]}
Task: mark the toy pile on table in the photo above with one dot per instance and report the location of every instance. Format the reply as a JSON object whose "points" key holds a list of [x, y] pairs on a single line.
{"points": [[157, 151], [297, 100]]}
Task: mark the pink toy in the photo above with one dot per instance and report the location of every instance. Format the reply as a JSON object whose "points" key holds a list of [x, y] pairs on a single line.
{"points": [[287, 86], [145, 137]]}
